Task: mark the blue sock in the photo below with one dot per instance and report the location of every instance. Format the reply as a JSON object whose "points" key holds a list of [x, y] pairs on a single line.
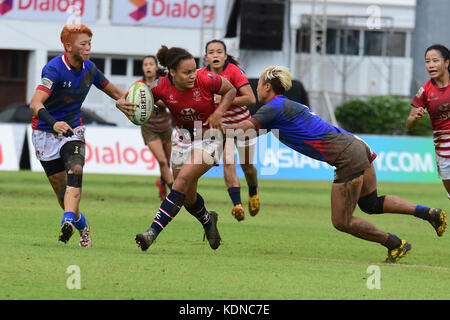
{"points": [[168, 210], [253, 190], [81, 223], [235, 195], [421, 212], [68, 216]]}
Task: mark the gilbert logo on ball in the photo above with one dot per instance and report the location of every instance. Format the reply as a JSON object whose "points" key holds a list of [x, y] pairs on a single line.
{"points": [[140, 95]]}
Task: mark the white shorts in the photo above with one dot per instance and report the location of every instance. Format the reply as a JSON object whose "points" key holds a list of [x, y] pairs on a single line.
{"points": [[48, 145], [181, 151], [443, 167]]}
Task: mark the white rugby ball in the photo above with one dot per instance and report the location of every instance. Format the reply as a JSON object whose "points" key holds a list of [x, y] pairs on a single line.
{"points": [[140, 95]]}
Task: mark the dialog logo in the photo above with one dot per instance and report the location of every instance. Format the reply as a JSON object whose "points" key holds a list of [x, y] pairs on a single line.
{"points": [[5, 6], [141, 10]]}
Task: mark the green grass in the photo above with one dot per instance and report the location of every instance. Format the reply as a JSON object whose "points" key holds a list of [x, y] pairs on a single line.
{"points": [[289, 251]]}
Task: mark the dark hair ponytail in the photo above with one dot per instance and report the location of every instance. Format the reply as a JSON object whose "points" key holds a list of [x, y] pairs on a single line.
{"points": [[171, 58], [445, 52], [230, 58]]}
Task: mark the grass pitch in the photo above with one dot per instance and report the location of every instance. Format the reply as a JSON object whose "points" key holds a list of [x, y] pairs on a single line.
{"points": [[289, 251]]}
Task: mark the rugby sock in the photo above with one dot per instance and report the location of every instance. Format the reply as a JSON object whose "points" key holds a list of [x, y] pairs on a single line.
{"points": [[168, 210], [421, 212], [235, 195], [252, 190], [199, 211], [68, 216], [392, 242], [80, 224]]}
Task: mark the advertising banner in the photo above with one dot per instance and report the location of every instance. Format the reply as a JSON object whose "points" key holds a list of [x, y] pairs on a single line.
{"points": [[8, 153], [399, 159], [68, 11], [122, 151], [111, 150], [170, 13]]}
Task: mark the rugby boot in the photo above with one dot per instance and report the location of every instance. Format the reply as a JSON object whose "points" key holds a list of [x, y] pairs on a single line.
{"points": [[238, 212], [396, 254], [253, 205], [67, 230], [437, 218], [161, 189], [145, 240], [85, 237], [211, 231]]}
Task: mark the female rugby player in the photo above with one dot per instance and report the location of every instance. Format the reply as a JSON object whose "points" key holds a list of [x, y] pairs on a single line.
{"points": [[355, 178], [157, 132], [190, 98], [58, 131], [434, 97], [226, 66]]}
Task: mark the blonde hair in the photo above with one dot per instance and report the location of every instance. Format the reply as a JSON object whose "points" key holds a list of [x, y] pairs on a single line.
{"points": [[279, 77]]}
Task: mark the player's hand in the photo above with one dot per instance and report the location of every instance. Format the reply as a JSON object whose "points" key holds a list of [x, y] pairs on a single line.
{"points": [[215, 121], [61, 127], [418, 113], [125, 106]]}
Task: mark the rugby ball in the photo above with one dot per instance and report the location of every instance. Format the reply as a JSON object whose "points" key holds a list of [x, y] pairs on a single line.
{"points": [[140, 95]]}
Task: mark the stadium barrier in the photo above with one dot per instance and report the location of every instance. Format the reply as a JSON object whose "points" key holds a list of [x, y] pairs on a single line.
{"points": [[112, 150]]}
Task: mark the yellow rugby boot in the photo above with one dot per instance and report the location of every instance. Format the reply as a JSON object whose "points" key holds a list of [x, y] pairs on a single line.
{"points": [[238, 212], [396, 254], [253, 205], [437, 218]]}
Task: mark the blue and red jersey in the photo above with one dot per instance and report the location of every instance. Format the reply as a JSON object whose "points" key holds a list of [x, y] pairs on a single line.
{"points": [[67, 89], [302, 130]]}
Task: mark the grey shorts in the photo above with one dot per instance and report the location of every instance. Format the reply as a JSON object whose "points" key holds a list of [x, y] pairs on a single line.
{"points": [[352, 162]]}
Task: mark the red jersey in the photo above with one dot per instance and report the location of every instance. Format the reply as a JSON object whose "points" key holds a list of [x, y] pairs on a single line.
{"points": [[437, 102], [237, 78], [195, 104]]}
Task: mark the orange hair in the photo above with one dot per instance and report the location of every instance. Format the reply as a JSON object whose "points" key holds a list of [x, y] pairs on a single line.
{"points": [[72, 29]]}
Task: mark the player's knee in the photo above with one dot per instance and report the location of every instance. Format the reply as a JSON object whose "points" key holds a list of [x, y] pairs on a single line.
{"points": [[372, 203], [75, 177], [341, 225]]}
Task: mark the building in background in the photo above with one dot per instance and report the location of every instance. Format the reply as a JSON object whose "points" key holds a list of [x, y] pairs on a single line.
{"points": [[338, 49]]}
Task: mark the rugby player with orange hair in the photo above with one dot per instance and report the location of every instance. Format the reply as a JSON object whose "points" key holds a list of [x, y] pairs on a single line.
{"points": [[58, 132]]}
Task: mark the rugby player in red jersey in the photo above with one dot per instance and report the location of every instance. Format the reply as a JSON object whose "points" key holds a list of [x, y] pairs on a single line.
{"points": [[58, 131], [226, 66], [157, 132], [434, 97], [190, 98]]}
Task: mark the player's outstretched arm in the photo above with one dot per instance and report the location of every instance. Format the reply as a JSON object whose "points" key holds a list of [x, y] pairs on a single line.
{"points": [[120, 96]]}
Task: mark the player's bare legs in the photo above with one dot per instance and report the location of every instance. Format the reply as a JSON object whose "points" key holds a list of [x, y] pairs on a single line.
{"points": [[162, 154], [58, 182], [232, 181], [246, 155], [344, 197], [184, 192]]}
